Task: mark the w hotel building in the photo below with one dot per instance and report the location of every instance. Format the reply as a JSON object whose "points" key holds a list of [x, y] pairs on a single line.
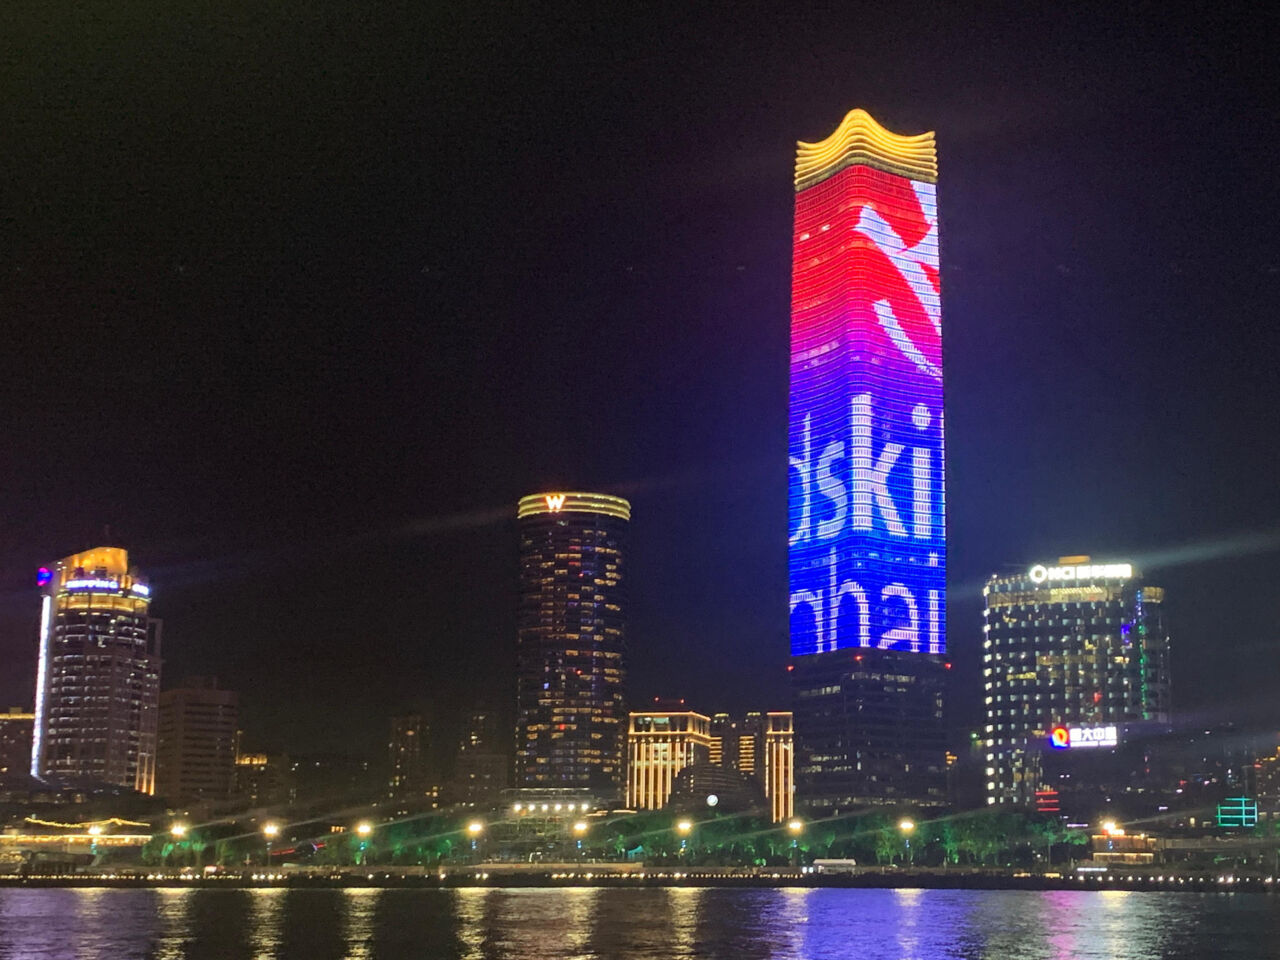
{"points": [[98, 673], [571, 646], [867, 525], [1075, 657]]}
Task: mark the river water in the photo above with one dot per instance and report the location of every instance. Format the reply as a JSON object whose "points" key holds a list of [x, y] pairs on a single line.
{"points": [[527, 924]]}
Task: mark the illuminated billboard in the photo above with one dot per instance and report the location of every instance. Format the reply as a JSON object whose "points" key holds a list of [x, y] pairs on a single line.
{"points": [[867, 524], [1063, 738]]}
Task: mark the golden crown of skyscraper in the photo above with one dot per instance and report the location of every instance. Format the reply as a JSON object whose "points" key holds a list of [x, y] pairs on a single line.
{"points": [[860, 140]]}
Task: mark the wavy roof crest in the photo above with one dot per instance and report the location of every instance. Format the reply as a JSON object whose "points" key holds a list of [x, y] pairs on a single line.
{"points": [[860, 140]]}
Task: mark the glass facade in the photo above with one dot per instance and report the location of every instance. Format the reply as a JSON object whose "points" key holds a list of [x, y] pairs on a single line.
{"points": [[571, 645], [866, 488], [1073, 655], [869, 730], [98, 674]]}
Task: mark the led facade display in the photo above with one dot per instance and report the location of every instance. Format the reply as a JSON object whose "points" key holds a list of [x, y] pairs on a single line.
{"points": [[867, 525]]}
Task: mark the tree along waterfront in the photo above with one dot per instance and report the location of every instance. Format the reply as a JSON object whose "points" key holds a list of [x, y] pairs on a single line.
{"points": [[657, 837]]}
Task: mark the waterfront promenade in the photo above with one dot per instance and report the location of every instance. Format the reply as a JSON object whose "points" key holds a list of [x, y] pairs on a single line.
{"points": [[499, 875]]}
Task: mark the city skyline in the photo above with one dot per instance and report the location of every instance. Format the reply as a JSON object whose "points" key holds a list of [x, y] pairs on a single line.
{"points": [[344, 366]]}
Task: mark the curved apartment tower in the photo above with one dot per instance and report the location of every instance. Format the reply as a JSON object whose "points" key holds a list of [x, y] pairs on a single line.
{"points": [[571, 716]]}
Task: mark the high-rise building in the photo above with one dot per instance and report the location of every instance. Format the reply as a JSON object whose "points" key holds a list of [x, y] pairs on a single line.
{"points": [[761, 746], [15, 741], [661, 743], [407, 755], [482, 768], [722, 750], [1075, 657], [867, 527], [263, 780], [778, 769], [750, 748], [98, 673], [196, 757], [571, 649]]}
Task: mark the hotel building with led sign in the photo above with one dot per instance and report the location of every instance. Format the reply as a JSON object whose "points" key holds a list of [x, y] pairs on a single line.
{"points": [[571, 715], [1075, 661], [867, 523], [98, 672]]}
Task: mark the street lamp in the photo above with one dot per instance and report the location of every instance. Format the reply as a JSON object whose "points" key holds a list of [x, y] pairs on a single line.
{"points": [[907, 826], [474, 829], [363, 830], [580, 831], [270, 831], [796, 828], [177, 831], [683, 828]]}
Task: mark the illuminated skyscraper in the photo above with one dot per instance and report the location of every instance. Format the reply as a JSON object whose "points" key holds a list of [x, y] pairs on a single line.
{"points": [[1075, 657], [98, 674], [867, 526], [571, 649]]}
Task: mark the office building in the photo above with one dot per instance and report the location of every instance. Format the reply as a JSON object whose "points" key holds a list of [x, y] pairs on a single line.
{"points": [[1075, 659], [197, 742], [867, 526], [98, 672], [571, 646], [661, 743], [15, 741]]}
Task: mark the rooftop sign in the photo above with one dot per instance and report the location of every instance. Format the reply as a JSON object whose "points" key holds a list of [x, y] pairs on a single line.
{"points": [[1085, 571]]}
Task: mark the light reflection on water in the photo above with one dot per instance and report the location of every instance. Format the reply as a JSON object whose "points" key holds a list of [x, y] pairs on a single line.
{"points": [[645, 924]]}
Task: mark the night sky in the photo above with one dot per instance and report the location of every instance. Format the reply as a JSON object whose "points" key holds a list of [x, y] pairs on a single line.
{"points": [[299, 299]]}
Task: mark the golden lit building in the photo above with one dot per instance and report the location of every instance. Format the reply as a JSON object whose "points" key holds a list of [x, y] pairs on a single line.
{"points": [[659, 745], [98, 673], [779, 765], [571, 644], [759, 745]]}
